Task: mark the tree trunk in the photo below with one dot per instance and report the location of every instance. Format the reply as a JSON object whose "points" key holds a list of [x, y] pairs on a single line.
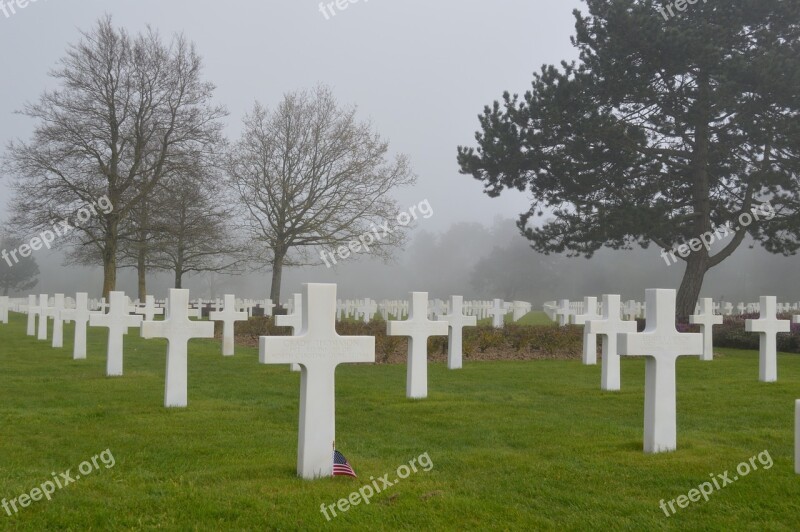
{"points": [[141, 268], [277, 272], [178, 278], [692, 283], [109, 266], [697, 263]]}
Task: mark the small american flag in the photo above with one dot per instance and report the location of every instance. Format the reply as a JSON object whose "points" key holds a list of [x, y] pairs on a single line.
{"points": [[341, 466]]}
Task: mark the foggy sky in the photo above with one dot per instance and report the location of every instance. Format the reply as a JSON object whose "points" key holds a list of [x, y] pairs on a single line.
{"points": [[421, 71]]}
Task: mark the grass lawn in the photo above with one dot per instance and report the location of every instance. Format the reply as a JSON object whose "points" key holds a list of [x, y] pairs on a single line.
{"points": [[514, 445]]}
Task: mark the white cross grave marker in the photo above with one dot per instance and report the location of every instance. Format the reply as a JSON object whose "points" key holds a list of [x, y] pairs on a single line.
{"points": [[58, 324], [563, 312], [33, 312], [418, 328], [768, 326], [706, 319], [118, 321], [318, 349], [178, 329], [80, 315], [150, 310], [456, 321], [662, 344], [228, 317], [609, 327], [498, 313], [589, 339], [44, 312]]}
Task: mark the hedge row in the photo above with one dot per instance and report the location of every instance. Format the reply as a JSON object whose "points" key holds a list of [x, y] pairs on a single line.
{"points": [[514, 342]]}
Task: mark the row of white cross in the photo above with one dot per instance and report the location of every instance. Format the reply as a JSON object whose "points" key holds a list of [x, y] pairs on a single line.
{"points": [[662, 344], [365, 309], [318, 349], [561, 311], [315, 349]]}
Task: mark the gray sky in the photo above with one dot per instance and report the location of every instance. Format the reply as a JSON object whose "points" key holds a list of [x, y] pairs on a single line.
{"points": [[421, 72]]}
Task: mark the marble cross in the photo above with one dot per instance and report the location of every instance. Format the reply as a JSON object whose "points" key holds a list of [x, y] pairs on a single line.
{"points": [[498, 313], [45, 311], [609, 327], [58, 324], [418, 328], [118, 321], [318, 349], [768, 326], [33, 312], [150, 310], [80, 315], [706, 319], [662, 344], [589, 339], [178, 329], [228, 317], [456, 321]]}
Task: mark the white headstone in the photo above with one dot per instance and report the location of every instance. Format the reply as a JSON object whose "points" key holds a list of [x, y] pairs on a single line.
{"points": [[456, 321], [418, 328], [609, 327], [58, 324], [228, 317], [117, 321], [768, 326], [45, 311], [589, 339], [706, 319], [294, 320], [178, 329], [318, 349], [631, 311], [150, 310], [33, 312], [498, 313], [662, 344], [80, 315], [563, 312]]}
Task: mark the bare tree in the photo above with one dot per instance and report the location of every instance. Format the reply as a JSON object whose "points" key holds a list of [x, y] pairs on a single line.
{"points": [[129, 111], [192, 227], [309, 177]]}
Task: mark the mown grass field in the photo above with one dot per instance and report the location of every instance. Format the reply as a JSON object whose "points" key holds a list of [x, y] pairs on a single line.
{"points": [[514, 445]]}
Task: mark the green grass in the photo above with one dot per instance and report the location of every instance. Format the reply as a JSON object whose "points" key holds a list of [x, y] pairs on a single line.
{"points": [[514, 445]]}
